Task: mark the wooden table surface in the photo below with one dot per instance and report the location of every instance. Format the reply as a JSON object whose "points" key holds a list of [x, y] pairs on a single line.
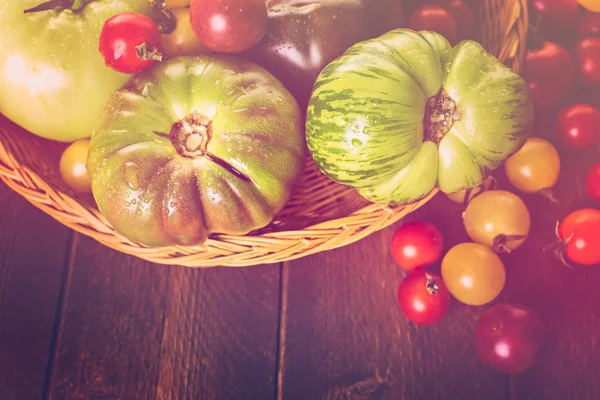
{"points": [[81, 321]]}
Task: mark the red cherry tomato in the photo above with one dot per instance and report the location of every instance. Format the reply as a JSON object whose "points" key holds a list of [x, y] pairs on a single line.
{"points": [[592, 183], [463, 17], [578, 126], [130, 42], [580, 236], [557, 16], [587, 61], [589, 25], [423, 297], [434, 18], [508, 338], [548, 72], [229, 26], [416, 244]]}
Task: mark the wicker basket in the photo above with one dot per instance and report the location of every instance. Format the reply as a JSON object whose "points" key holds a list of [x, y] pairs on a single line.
{"points": [[321, 216]]}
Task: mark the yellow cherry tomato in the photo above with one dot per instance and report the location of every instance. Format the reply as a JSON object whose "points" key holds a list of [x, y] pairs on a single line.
{"points": [[473, 273], [497, 219], [535, 167], [591, 5], [172, 3], [182, 41], [73, 168]]}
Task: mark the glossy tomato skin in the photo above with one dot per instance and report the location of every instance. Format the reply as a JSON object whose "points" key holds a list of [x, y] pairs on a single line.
{"points": [[434, 18], [579, 232], [577, 126], [535, 167], [558, 16], [423, 297], [508, 337], [587, 60], [591, 5], [72, 166], [473, 273], [51, 66], [229, 26], [592, 183], [548, 72], [120, 37], [207, 144], [417, 244], [303, 37], [589, 25]]}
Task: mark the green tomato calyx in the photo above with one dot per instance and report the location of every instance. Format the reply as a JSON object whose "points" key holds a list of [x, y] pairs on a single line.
{"points": [[191, 135], [440, 113]]}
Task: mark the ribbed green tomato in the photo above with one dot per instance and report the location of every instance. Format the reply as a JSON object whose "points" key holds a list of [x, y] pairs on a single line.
{"points": [[404, 113], [53, 78], [196, 145]]}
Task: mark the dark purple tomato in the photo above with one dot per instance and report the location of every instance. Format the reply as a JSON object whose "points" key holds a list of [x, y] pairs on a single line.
{"points": [[508, 338]]}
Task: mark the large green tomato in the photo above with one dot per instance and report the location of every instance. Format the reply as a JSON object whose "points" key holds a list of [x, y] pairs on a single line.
{"points": [[196, 145], [53, 78], [404, 113]]}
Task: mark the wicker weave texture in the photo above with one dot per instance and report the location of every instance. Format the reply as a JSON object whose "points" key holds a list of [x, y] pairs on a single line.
{"points": [[322, 215]]}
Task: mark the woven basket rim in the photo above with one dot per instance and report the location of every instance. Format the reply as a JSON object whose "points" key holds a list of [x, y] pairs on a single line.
{"points": [[231, 250]]}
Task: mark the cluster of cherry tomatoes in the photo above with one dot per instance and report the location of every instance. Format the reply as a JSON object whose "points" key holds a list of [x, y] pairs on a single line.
{"points": [[131, 42], [508, 336]]}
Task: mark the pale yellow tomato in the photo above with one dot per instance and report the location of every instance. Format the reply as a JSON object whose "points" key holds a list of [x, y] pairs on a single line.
{"points": [[73, 168], [497, 219], [591, 5], [182, 41], [535, 167], [172, 3], [473, 273]]}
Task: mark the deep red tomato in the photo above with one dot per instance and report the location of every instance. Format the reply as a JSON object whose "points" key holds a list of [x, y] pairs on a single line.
{"points": [[578, 126], [229, 26], [416, 244], [130, 42], [580, 235], [587, 61], [434, 18], [423, 297], [557, 16], [463, 17], [592, 183], [548, 72], [589, 24], [508, 338]]}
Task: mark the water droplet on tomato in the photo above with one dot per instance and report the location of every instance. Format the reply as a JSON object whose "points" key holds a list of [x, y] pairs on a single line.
{"points": [[270, 90], [130, 172], [133, 201], [356, 143], [139, 212]]}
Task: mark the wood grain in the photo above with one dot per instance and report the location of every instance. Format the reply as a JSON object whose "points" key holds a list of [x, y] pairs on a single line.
{"points": [[220, 338], [347, 339], [33, 248], [108, 346]]}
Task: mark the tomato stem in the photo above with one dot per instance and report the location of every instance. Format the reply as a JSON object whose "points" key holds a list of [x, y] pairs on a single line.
{"points": [[190, 136], [144, 54], [432, 286], [165, 19], [440, 114], [500, 243], [559, 246]]}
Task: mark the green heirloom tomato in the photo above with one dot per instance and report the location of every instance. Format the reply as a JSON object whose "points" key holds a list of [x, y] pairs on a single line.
{"points": [[53, 78], [404, 113], [196, 145]]}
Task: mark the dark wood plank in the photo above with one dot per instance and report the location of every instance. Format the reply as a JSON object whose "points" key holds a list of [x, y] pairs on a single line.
{"points": [[345, 337], [33, 247], [220, 339], [108, 346]]}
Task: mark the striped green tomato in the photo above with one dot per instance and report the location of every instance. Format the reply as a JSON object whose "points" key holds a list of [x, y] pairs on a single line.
{"points": [[193, 146], [401, 114]]}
